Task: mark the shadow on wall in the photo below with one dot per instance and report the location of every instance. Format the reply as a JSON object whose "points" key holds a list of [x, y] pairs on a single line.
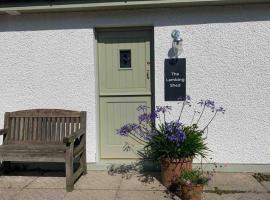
{"points": [[156, 17]]}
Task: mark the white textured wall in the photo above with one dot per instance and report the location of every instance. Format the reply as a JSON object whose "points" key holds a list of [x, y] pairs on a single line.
{"points": [[48, 61]]}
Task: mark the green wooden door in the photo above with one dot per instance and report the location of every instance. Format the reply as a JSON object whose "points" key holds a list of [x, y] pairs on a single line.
{"points": [[124, 84]]}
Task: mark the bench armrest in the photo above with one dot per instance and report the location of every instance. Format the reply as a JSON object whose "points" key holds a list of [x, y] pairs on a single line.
{"points": [[3, 131], [71, 138]]}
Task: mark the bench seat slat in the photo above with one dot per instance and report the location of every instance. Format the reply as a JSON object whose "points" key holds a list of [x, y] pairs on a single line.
{"points": [[39, 153], [17, 126], [32, 157], [21, 130], [45, 113], [49, 147], [30, 129], [53, 130], [57, 131]]}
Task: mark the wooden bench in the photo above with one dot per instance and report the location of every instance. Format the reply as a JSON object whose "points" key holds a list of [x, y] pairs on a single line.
{"points": [[46, 135]]}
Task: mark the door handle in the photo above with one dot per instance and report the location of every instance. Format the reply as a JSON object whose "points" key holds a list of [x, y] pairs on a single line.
{"points": [[148, 74]]}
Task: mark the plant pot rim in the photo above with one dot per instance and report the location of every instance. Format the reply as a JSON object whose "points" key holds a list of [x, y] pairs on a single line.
{"points": [[187, 159], [192, 185]]}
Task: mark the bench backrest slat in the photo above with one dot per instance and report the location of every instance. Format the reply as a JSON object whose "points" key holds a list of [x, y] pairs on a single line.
{"points": [[41, 126]]}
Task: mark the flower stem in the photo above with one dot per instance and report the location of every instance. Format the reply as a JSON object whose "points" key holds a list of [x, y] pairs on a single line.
{"points": [[193, 117], [164, 117], [137, 139], [210, 121], [183, 105], [141, 141], [201, 113]]}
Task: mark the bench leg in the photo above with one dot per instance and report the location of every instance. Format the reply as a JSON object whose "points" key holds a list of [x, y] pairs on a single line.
{"points": [[83, 157], [69, 168], [6, 167], [83, 163]]}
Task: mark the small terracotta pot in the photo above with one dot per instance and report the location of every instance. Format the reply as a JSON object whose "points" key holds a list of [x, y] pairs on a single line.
{"points": [[193, 192], [172, 168]]}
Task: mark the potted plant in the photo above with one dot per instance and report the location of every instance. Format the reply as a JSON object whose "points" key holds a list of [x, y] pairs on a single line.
{"points": [[175, 146], [170, 142], [191, 184]]}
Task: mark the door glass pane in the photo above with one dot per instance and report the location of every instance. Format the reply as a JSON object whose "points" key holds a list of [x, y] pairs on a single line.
{"points": [[125, 59]]}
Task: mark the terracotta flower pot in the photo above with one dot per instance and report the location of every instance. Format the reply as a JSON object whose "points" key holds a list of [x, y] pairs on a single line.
{"points": [[193, 192], [171, 169]]}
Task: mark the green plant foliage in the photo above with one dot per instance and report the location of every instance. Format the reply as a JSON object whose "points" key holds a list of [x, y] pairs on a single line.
{"points": [[261, 177], [161, 147], [193, 177]]}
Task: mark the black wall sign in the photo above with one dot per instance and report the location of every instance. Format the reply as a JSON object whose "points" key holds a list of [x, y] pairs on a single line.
{"points": [[175, 79]]}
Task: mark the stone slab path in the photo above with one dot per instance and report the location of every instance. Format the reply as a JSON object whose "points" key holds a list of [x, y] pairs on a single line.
{"points": [[99, 185]]}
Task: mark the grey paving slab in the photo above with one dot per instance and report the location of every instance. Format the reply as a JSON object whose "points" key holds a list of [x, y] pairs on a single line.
{"points": [[237, 196], [235, 182], [40, 194], [8, 194], [102, 186], [98, 180], [49, 180], [145, 195], [266, 184], [141, 182], [15, 182], [91, 195], [54, 180]]}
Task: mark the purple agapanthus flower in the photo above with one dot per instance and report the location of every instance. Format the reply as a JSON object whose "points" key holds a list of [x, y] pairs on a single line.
{"points": [[220, 109], [142, 108], [201, 102], [174, 132], [208, 103], [186, 98], [179, 136], [180, 99], [147, 117], [172, 125], [163, 109], [127, 129]]}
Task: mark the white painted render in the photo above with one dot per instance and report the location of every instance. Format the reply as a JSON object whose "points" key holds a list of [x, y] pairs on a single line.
{"points": [[48, 61]]}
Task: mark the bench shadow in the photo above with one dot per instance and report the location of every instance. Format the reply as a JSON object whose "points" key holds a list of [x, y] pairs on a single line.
{"points": [[36, 169]]}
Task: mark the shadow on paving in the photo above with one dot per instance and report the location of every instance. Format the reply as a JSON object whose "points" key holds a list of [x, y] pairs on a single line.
{"points": [[36, 169], [145, 172]]}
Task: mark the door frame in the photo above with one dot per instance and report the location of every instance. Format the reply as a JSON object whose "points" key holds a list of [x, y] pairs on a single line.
{"points": [[152, 82]]}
